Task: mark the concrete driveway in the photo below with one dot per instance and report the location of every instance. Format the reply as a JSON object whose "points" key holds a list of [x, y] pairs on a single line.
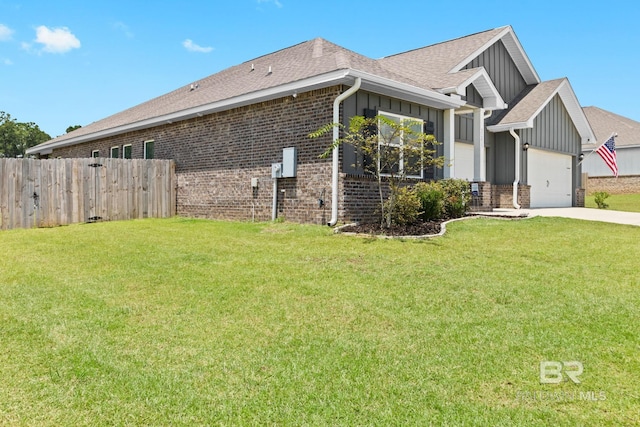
{"points": [[603, 215]]}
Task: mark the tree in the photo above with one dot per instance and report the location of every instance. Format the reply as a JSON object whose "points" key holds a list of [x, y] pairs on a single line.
{"points": [[392, 149], [16, 137], [72, 128]]}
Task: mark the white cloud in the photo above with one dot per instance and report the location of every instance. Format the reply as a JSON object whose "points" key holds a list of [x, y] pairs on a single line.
{"points": [[276, 2], [5, 33], [192, 47], [6, 61], [56, 40]]}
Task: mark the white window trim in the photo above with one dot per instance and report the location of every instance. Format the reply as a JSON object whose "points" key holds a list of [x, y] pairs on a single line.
{"points": [[94, 152], [123, 150], [144, 147], [111, 152], [401, 166]]}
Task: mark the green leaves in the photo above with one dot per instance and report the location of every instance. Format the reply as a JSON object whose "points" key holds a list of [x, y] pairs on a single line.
{"points": [[16, 137], [389, 147]]}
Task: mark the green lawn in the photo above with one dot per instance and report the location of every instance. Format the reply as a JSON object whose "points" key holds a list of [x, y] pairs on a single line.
{"points": [[192, 322], [618, 202]]}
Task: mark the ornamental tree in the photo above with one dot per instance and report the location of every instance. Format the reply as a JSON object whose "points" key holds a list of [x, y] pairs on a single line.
{"points": [[392, 150]]}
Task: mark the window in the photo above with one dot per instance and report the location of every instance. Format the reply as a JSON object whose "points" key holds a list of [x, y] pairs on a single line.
{"points": [[399, 152], [126, 151], [148, 150], [95, 154], [115, 152]]}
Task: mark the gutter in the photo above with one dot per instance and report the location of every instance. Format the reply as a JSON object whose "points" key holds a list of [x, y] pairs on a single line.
{"points": [[335, 170], [516, 181]]}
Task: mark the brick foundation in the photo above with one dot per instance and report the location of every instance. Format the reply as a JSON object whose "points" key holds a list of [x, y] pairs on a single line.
{"points": [[502, 196], [482, 201]]}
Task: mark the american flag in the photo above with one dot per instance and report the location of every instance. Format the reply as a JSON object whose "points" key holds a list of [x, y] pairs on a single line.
{"points": [[608, 153]]}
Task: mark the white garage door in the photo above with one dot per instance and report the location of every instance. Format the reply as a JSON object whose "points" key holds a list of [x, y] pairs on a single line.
{"points": [[549, 175]]}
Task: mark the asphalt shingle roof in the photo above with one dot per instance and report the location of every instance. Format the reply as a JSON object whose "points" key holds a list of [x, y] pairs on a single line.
{"points": [[304, 60], [430, 66], [604, 123]]}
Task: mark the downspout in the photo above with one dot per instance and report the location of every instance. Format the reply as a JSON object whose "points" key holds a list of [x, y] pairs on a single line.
{"points": [[336, 150], [516, 181], [274, 206]]}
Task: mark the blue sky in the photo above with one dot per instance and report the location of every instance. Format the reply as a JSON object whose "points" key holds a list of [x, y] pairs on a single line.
{"points": [[64, 63]]}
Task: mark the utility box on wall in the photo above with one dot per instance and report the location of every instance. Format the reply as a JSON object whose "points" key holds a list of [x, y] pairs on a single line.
{"points": [[289, 162], [276, 170]]}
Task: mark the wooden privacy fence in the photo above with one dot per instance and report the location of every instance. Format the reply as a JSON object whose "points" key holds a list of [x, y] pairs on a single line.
{"points": [[46, 193]]}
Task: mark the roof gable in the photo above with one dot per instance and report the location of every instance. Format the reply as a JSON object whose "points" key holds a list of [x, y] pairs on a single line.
{"points": [[508, 38], [534, 99]]}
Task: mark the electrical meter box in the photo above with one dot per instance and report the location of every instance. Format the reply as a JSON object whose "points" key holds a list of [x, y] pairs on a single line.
{"points": [[289, 162]]}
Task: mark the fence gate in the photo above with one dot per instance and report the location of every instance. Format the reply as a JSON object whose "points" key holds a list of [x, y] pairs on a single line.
{"points": [[46, 193]]}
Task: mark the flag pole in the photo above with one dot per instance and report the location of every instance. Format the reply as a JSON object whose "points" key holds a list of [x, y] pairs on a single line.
{"points": [[613, 134]]}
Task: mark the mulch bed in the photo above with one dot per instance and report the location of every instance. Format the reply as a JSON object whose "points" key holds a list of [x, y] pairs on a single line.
{"points": [[419, 229]]}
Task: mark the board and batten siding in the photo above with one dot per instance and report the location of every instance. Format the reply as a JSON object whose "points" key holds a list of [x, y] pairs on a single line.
{"points": [[553, 130], [502, 71], [357, 103]]}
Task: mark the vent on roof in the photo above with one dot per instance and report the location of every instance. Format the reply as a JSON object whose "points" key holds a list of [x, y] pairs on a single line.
{"points": [[194, 86], [270, 71], [252, 67]]}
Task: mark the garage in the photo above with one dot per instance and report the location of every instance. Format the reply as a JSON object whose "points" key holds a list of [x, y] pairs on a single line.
{"points": [[550, 177]]}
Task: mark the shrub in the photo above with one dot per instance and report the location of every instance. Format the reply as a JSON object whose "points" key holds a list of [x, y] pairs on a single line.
{"points": [[456, 197], [406, 207], [599, 197], [431, 197]]}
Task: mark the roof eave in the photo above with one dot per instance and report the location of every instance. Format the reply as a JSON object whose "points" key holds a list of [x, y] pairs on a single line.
{"points": [[505, 127], [316, 82], [404, 91], [371, 82], [491, 98]]}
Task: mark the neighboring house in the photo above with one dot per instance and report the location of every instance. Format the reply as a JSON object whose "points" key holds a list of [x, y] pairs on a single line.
{"points": [[499, 125], [604, 124]]}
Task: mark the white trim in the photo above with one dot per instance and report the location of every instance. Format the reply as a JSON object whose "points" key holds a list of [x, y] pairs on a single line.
{"points": [[570, 102], [123, 150], [95, 152], [111, 152], [144, 148], [480, 79], [517, 53], [401, 145]]}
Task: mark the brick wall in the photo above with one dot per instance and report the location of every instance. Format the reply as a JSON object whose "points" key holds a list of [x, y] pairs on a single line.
{"points": [[481, 202], [628, 184], [217, 155], [502, 196], [361, 199], [580, 195]]}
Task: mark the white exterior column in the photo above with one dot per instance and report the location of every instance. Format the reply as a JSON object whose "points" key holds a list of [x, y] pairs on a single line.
{"points": [[479, 153], [449, 144]]}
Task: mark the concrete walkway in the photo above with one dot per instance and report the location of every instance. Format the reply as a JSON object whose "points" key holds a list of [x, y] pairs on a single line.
{"points": [[603, 215]]}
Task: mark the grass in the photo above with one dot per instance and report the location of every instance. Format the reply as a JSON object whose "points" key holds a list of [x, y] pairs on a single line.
{"points": [[618, 202], [192, 322]]}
